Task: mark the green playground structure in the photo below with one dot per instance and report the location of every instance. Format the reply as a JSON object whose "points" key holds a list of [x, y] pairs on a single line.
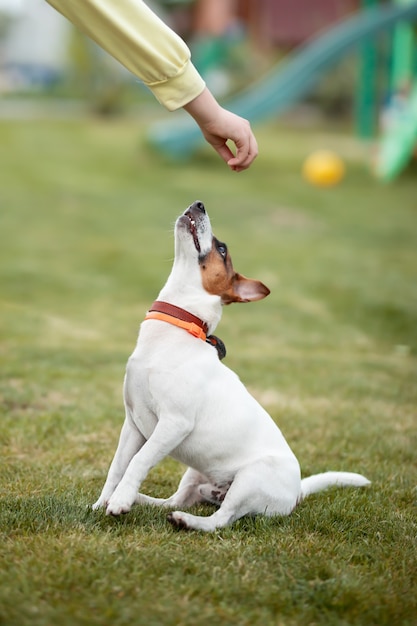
{"points": [[291, 79], [399, 139]]}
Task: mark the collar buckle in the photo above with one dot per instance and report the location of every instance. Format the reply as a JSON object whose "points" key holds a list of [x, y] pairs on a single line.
{"points": [[196, 331]]}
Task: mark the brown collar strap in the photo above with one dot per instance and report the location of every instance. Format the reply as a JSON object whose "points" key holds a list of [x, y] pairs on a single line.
{"points": [[165, 312], [172, 314]]}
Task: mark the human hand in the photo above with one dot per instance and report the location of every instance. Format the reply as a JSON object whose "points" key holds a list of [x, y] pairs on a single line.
{"points": [[219, 126]]}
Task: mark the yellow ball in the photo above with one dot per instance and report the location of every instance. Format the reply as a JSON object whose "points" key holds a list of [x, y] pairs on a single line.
{"points": [[323, 168]]}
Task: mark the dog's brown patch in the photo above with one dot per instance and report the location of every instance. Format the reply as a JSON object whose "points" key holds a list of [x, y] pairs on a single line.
{"points": [[220, 279], [217, 269]]}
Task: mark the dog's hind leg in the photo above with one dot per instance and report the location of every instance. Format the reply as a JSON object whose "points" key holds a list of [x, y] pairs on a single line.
{"points": [[187, 494], [268, 486]]}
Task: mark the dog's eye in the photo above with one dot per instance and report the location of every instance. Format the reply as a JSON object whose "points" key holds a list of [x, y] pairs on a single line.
{"points": [[222, 249]]}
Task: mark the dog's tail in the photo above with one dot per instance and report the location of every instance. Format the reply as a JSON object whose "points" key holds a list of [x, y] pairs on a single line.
{"points": [[319, 482]]}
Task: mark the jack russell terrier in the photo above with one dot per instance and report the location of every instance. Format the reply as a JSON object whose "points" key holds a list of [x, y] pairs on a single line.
{"points": [[181, 401]]}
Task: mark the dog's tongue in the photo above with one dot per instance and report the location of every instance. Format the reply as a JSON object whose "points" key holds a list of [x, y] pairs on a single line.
{"points": [[193, 231]]}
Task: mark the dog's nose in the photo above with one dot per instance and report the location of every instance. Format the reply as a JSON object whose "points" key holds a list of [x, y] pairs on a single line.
{"points": [[199, 206]]}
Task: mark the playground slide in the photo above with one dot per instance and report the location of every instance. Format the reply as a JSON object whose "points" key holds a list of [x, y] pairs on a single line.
{"points": [[289, 80], [399, 141]]}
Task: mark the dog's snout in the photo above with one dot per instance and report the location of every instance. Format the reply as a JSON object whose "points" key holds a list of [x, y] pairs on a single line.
{"points": [[199, 206]]}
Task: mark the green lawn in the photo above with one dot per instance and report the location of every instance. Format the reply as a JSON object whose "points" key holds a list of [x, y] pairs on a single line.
{"points": [[85, 245]]}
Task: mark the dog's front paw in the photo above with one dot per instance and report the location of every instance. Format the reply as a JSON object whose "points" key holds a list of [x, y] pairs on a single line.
{"points": [[116, 508], [100, 504], [104, 498], [121, 502]]}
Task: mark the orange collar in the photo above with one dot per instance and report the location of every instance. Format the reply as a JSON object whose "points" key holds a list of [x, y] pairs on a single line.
{"points": [[172, 314]]}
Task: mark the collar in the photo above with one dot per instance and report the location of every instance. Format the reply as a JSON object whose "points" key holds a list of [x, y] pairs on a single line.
{"points": [[178, 317], [166, 312]]}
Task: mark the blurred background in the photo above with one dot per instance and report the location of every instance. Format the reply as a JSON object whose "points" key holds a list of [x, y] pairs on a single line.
{"points": [[348, 61], [46, 63], [89, 159], [231, 40]]}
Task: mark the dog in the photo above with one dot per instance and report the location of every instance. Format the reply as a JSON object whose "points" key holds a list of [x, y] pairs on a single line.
{"points": [[182, 401]]}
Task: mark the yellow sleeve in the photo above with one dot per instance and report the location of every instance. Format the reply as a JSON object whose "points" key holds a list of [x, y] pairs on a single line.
{"points": [[143, 43]]}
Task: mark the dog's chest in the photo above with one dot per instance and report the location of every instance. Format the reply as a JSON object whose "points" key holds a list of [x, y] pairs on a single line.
{"points": [[167, 379], [138, 396]]}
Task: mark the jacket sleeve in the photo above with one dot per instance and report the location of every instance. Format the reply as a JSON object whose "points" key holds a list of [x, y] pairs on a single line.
{"points": [[143, 43]]}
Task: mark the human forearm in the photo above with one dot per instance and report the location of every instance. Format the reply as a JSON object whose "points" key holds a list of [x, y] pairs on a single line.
{"points": [[136, 37]]}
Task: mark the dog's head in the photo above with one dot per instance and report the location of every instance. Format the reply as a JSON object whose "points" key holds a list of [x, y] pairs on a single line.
{"points": [[207, 260]]}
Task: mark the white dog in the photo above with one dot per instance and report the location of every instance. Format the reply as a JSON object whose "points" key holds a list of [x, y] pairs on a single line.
{"points": [[182, 401]]}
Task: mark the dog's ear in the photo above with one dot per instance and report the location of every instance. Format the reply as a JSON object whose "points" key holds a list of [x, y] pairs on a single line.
{"points": [[245, 290]]}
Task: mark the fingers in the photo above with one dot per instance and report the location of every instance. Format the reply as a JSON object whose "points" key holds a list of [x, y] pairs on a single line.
{"points": [[246, 153], [238, 131], [246, 146], [220, 126]]}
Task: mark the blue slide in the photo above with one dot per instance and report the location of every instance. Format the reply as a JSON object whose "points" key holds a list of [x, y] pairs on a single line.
{"points": [[288, 81]]}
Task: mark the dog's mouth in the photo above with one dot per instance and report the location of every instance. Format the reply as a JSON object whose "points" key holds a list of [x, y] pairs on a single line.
{"points": [[192, 227]]}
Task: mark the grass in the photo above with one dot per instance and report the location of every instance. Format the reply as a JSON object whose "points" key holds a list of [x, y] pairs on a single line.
{"points": [[85, 244]]}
